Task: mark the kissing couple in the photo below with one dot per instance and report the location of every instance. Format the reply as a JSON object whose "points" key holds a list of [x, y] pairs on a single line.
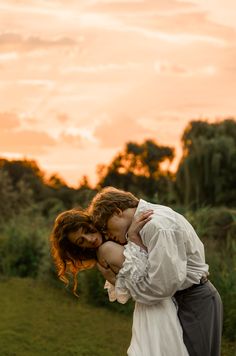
{"points": [[152, 254]]}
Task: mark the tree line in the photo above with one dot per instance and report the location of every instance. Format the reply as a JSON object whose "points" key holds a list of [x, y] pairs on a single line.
{"points": [[205, 176]]}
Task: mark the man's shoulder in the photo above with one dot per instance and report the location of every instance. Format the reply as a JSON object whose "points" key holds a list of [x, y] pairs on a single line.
{"points": [[146, 205]]}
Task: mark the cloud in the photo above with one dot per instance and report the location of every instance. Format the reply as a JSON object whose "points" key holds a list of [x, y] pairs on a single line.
{"points": [[13, 42], [63, 118], [176, 69], [71, 140], [137, 6], [25, 142], [115, 132], [9, 121], [192, 23]]}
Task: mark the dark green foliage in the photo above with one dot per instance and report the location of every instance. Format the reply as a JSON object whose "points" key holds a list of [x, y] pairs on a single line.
{"points": [[214, 223], [13, 199], [23, 246], [207, 172], [28, 173], [138, 169], [217, 228]]}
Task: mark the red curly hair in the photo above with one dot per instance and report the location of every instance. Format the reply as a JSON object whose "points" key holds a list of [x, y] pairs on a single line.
{"points": [[68, 257]]}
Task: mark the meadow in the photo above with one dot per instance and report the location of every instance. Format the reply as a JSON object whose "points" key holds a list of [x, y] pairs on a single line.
{"points": [[40, 319]]}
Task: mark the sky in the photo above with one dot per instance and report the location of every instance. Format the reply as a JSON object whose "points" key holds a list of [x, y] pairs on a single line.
{"points": [[80, 78]]}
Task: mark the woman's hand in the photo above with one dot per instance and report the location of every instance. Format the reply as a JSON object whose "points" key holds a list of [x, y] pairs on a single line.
{"points": [[137, 224], [107, 273]]}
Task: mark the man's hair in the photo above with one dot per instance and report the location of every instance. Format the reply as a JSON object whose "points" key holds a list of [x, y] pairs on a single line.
{"points": [[108, 202]]}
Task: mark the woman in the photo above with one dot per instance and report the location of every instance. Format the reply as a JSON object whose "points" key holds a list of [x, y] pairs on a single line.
{"points": [[70, 254], [77, 245]]}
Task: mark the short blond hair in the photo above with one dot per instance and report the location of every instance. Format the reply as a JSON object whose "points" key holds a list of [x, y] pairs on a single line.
{"points": [[108, 202]]}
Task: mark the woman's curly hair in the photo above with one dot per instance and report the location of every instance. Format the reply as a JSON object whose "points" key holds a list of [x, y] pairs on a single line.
{"points": [[68, 257]]}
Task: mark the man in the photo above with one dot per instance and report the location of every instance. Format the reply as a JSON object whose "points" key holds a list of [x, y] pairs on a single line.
{"points": [[176, 265]]}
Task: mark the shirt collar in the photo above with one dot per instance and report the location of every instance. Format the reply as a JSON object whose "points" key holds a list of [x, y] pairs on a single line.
{"points": [[142, 206]]}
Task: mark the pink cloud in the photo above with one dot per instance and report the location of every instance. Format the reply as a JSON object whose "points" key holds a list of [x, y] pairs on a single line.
{"points": [[13, 41], [120, 129], [8, 121], [134, 7], [25, 142], [71, 140], [63, 118]]}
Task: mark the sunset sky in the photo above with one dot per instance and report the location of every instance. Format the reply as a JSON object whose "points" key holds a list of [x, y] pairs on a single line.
{"points": [[80, 78]]}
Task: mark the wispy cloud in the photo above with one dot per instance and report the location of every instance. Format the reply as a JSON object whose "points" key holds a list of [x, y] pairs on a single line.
{"points": [[9, 120], [13, 42], [25, 142], [115, 131], [167, 68]]}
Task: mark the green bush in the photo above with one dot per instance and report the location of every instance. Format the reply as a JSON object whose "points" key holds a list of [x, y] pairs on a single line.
{"points": [[217, 229], [217, 223], [23, 246]]}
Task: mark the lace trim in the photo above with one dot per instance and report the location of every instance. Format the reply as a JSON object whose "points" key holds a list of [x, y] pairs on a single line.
{"points": [[135, 265], [121, 295], [134, 269]]}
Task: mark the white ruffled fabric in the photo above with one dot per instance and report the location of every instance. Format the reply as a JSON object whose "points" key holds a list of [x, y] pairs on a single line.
{"points": [[134, 269], [156, 328]]}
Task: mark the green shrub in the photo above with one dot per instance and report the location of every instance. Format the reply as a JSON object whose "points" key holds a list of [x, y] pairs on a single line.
{"points": [[23, 246], [217, 229]]}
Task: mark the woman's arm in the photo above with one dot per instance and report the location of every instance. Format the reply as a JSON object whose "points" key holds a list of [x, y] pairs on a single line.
{"points": [[110, 259]]}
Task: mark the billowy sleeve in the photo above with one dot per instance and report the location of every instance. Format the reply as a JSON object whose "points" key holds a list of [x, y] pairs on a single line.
{"points": [[166, 267], [133, 270]]}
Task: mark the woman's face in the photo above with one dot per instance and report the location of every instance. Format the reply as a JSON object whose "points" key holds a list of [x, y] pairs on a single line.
{"points": [[85, 240]]}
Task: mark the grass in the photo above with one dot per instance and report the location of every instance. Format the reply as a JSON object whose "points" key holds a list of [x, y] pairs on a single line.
{"points": [[39, 319]]}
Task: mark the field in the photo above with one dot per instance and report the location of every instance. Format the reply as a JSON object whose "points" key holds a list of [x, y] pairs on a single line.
{"points": [[39, 319]]}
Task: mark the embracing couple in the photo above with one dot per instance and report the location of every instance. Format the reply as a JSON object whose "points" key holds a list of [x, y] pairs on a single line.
{"points": [[152, 254]]}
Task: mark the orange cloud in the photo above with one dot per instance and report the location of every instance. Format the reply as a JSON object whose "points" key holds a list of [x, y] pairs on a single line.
{"points": [[15, 42], [62, 118], [71, 140], [135, 7], [25, 142], [8, 121], [115, 132]]}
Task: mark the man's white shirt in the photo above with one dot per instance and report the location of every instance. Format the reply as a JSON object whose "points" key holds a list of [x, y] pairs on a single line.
{"points": [[176, 258]]}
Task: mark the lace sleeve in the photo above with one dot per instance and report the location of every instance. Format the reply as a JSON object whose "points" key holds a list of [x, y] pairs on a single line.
{"points": [[133, 269]]}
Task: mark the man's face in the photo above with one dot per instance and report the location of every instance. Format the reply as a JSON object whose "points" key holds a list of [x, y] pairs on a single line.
{"points": [[118, 225]]}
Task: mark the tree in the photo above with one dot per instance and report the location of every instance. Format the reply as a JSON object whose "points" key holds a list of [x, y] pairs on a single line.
{"points": [[207, 171], [26, 171], [13, 199], [138, 169]]}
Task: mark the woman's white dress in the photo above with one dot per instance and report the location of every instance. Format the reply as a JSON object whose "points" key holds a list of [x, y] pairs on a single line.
{"points": [[156, 329]]}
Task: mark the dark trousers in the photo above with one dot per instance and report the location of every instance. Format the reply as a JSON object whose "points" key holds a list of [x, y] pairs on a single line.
{"points": [[201, 316]]}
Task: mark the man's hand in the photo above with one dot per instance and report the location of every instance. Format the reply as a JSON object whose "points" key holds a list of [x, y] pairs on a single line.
{"points": [[137, 224], [107, 273]]}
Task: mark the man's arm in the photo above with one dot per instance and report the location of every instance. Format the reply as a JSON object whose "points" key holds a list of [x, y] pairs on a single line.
{"points": [[167, 265]]}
